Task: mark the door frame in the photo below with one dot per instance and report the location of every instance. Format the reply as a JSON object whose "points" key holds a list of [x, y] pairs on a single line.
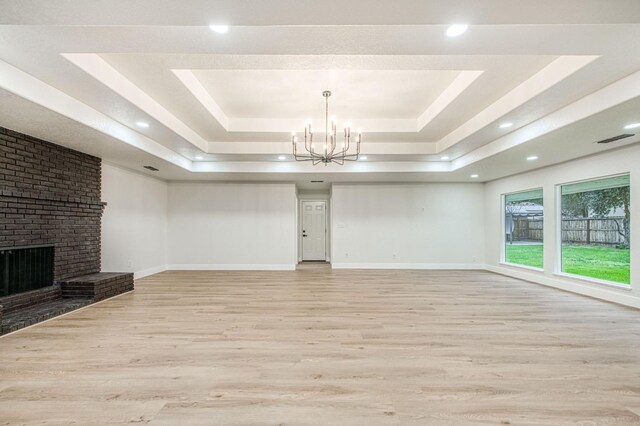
{"points": [[327, 234]]}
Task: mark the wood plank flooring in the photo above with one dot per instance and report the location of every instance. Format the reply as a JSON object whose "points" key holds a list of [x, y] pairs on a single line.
{"points": [[322, 347]]}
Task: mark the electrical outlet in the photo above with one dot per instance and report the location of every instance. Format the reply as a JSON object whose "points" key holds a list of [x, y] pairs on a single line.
{"points": [[128, 264]]}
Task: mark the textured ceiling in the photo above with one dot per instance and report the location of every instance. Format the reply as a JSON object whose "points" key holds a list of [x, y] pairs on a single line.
{"points": [[222, 106]]}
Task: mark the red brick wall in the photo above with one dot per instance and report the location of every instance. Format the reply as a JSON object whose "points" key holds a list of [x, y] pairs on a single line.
{"points": [[51, 195]]}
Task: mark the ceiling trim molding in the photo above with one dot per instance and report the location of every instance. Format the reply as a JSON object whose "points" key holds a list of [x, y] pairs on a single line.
{"points": [[284, 125], [608, 97], [381, 148], [550, 75], [556, 71], [101, 70], [459, 85], [308, 168], [287, 125], [191, 82], [28, 87]]}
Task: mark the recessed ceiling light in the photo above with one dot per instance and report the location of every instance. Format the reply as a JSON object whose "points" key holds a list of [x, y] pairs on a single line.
{"points": [[282, 157], [532, 158], [444, 157], [506, 125], [142, 124], [475, 176], [456, 30], [632, 126], [363, 157], [199, 157], [219, 29]]}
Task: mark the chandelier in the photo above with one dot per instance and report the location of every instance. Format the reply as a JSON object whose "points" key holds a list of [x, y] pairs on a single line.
{"points": [[329, 151]]}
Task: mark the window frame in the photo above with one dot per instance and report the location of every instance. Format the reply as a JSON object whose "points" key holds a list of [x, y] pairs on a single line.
{"points": [[503, 247], [557, 267]]}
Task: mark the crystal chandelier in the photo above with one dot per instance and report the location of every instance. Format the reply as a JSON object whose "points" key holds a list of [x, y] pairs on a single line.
{"points": [[328, 151]]}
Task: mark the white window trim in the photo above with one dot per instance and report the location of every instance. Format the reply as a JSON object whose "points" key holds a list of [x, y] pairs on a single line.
{"points": [[503, 247], [516, 265], [557, 267], [591, 280]]}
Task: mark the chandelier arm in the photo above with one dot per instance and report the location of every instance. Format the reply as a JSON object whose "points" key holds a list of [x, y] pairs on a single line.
{"points": [[310, 147], [353, 157], [303, 157], [331, 151], [347, 143]]}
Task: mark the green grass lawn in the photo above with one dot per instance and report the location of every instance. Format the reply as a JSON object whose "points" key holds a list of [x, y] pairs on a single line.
{"points": [[605, 263]]}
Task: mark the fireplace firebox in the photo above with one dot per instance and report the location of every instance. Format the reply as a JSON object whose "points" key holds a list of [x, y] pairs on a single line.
{"points": [[25, 268]]}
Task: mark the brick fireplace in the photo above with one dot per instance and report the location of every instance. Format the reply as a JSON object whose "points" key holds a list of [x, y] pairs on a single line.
{"points": [[50, 196]]}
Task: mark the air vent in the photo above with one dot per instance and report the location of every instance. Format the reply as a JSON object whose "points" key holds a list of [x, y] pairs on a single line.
{"points": [[317, 181], [616, 138], [153, 169]]}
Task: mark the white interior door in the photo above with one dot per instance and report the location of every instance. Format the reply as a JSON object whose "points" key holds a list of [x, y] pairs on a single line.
{"points": [[314, 221]]}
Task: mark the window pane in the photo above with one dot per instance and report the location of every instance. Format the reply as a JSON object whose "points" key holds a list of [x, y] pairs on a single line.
{"points": [[524, 217], [596, 229]]}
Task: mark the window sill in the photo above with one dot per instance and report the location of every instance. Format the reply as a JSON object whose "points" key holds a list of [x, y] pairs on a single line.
{"points": [[515, 265], [588, 280]]}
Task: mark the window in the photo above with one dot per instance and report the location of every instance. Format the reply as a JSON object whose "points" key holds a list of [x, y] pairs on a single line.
{"points": [[596, 229], [523, 219]]}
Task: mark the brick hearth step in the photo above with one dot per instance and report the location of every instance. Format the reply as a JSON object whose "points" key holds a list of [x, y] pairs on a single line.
{"points": [[98, 286], [43, 311]]}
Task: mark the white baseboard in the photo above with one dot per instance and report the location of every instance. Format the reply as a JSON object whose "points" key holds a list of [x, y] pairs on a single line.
{"points": [[233, 267], [407, 266], [622, 297], [149, 271]]}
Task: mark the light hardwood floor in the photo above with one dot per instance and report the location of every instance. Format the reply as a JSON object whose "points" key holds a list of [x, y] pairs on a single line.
{"points": [[326, 347]]}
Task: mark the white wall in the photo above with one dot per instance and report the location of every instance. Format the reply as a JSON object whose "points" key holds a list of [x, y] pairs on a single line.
{"points": [[134, 223], [424, 225], [625, 160], [231, 226]]}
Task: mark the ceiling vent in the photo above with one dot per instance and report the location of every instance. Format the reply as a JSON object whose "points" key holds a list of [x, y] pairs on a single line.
{"points": [[317, 181], [153, 169], [616, 138]]}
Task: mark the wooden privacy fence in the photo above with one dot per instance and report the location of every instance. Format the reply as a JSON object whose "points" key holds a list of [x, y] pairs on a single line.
{"points": [[575, 230]]}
